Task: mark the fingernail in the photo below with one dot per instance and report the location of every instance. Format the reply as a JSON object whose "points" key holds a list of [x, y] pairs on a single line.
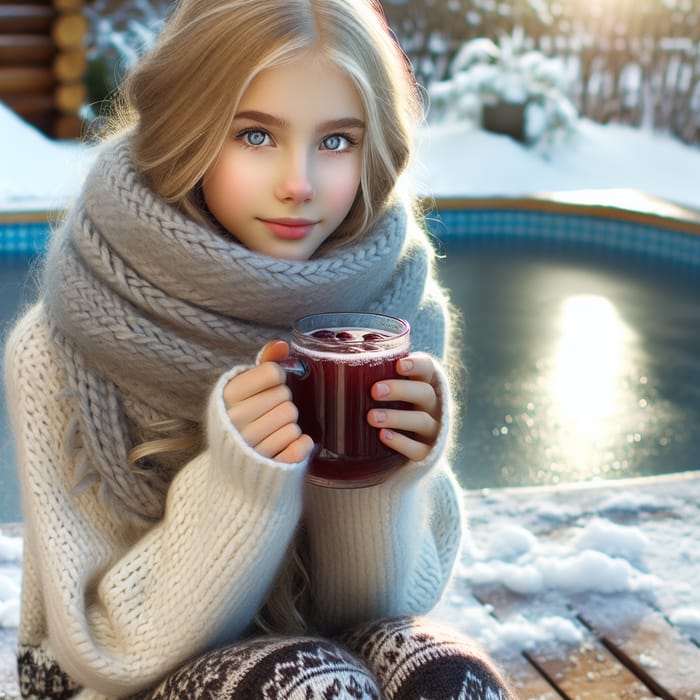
{"points": [[406, 364], [379, 416], [388, 434], [381, 389]]}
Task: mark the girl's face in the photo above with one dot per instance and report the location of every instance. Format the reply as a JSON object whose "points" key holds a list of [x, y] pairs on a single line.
{"points": [[290, 170]]}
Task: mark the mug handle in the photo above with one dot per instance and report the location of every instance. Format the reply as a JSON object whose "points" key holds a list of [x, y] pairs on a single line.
{"points": [[295, 366]]}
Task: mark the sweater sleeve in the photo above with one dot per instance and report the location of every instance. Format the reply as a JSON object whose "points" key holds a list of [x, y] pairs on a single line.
{"points": [[124, 608], [387, 549]]}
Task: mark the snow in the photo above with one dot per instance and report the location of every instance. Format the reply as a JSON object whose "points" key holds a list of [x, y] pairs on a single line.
{"points": [[632, 538], [36, 173], [457, 160]]}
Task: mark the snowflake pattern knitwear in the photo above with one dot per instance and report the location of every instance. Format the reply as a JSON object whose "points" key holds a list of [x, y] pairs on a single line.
{"points": [[143, 316], [391, 659]]}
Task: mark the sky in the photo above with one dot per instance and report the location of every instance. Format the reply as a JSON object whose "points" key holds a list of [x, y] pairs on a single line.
{"points": [[633, 537]]}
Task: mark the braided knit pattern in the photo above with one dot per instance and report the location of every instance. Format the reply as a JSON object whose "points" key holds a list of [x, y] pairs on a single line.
{"points": [[145, 303]]}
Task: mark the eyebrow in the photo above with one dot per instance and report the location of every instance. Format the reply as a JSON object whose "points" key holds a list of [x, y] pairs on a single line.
{"points": [[271, 120]]}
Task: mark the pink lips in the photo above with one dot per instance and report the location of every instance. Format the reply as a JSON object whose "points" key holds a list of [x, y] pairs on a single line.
{"points": [[290, 229]]}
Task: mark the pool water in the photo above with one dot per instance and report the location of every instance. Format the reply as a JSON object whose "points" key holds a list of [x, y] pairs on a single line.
{"points": [[578, 367], [16, 289]]}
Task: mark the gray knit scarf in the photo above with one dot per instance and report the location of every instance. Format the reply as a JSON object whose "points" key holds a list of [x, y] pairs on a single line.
{"points": [[148, 306]]}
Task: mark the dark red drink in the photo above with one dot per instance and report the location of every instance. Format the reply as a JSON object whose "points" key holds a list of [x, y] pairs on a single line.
{"points": [[344, 355]]}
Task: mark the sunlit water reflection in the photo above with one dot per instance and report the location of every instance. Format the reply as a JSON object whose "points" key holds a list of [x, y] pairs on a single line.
{"points": [[577, 369]]}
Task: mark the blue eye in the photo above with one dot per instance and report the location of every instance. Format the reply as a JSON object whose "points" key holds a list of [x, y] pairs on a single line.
{"points": [[337, 142], [255, 138]]}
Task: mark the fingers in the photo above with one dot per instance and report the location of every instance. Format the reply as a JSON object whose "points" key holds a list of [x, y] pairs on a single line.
{"points": [[251, 409], [420, 423], [259, 405], [252, 382], [419, 391], [299, 450], [412, 432], [268, 423], [417, 367], [412, 449], [274, 351]]}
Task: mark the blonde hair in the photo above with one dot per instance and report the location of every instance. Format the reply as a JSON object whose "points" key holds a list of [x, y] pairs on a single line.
{"points": [[183, 95], [179, 103]]}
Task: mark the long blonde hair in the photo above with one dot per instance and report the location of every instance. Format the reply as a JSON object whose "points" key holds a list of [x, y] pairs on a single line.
{"points": [[183, 95], [179, 103]]}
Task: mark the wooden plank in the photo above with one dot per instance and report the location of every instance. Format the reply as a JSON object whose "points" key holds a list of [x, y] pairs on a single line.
{"points": [[20, 80], [525, 679], [586, 671], [26, 19], [26, 50], [646, 643], [29, 105]]}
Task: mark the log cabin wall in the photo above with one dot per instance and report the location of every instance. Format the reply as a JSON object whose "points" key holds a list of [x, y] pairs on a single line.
{"points": [[42, 63]]}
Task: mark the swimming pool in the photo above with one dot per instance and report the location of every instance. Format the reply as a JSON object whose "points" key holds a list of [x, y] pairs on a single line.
{"points": [[582, 339]]}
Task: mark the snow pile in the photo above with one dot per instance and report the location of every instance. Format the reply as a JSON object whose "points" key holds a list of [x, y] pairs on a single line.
{"points": [[634, 539], [36, 173]]}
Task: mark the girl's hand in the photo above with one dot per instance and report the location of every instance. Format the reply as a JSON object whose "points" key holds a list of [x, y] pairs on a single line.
{"points": [[259, 404], [422, 420]]}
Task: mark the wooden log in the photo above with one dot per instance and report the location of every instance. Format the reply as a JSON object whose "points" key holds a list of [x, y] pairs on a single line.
{"points": [[68, 5], [43, 122], [34, 109], [69, 66], [70, 97], [69, 31], [26, 50], [26, 19], [18, 80], [29, 105], [67, 126]]}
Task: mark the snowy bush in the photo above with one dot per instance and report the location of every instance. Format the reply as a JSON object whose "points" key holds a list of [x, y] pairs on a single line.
{"points": [[120, 32], [485, 75]]}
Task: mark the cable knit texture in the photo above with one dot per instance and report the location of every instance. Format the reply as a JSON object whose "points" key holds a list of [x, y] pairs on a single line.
{"points": [[145, 315]]}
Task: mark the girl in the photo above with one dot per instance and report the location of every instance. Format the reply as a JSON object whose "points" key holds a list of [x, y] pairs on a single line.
{"points": [[172, 547]]}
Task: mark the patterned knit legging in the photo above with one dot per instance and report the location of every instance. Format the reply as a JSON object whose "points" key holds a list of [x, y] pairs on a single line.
{"points": [[396, 659]]}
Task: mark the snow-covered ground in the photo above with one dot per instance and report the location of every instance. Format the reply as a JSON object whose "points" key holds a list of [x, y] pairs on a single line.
{"points": [[636, 537]]}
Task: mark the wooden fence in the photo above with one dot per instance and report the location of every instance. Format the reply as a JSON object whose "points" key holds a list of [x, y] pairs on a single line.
{"points": [[631, 61], [42, 62]]}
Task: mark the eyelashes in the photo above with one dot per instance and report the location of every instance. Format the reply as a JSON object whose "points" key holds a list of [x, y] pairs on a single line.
{"points": [[256, 137]]}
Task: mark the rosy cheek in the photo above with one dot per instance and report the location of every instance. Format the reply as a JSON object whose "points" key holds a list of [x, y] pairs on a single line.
{"points": [[345, 189]]}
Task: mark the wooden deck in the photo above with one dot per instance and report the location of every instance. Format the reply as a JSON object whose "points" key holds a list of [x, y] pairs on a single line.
{"points": [[644, 658], [628, 646]]}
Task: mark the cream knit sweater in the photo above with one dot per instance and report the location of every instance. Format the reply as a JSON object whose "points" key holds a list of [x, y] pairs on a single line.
{"points": [[117, 608]]}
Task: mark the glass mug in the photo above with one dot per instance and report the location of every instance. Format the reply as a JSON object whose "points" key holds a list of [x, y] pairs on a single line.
{"points": [[335, 358]]}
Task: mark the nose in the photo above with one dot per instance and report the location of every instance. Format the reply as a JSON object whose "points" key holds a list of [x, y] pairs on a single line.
{"points": [[296, 181]]}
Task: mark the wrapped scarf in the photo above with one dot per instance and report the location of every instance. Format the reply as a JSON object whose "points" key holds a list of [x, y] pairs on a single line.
{"points": [[147, 306]]}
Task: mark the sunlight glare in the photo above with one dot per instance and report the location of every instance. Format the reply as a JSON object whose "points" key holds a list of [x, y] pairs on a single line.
{"points": [[588, 377]]}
